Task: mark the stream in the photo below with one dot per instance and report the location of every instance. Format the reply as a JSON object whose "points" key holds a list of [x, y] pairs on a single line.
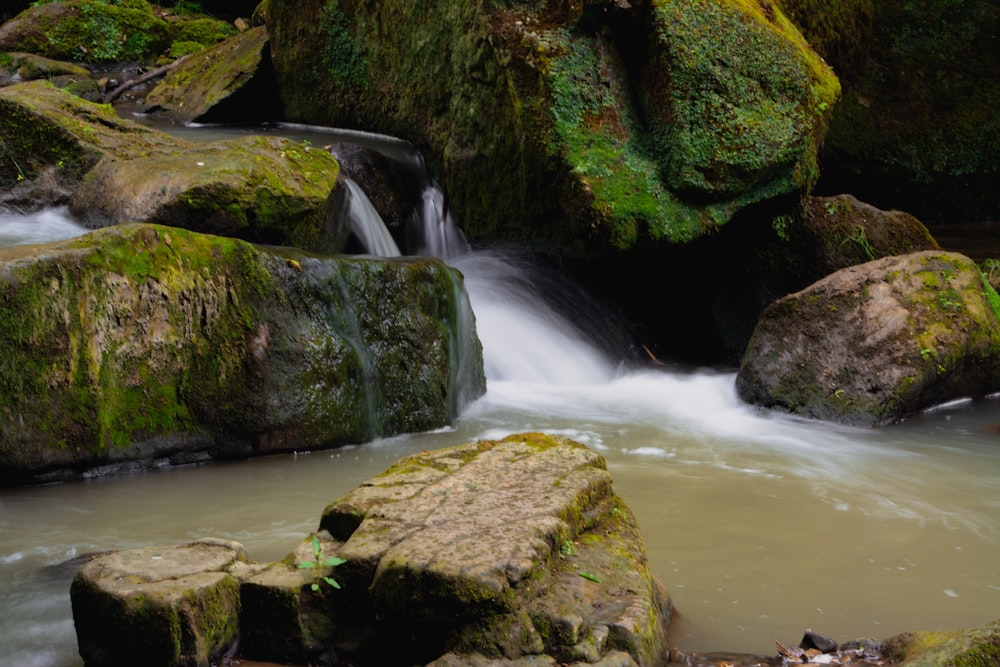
{"points": [[759, 525]]}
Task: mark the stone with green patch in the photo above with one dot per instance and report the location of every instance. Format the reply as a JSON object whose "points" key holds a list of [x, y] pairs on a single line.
{"points": [[874, 343]]}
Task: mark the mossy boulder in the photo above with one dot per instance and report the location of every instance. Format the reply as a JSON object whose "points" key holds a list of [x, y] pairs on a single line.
{"points": [[972, 647], [581, 127], [88, 31], [160, 606], [917, 128], [509, 549], [723, 283], [143, 343], [63, 150], [874, 343], [232, 81]]}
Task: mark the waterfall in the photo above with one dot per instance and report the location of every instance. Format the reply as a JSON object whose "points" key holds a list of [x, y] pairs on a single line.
{"points": [[52, 224], [435, 231], [524, 339], [367, 224]]}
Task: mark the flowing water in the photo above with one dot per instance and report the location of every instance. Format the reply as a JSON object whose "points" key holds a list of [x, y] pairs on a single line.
{"points": [[759, 525]]}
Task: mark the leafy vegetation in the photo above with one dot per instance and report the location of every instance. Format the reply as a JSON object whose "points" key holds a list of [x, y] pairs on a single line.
{"points": [[319, 563]]}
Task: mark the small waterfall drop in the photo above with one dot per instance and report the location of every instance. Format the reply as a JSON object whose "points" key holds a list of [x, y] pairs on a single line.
{"points": [[44, 226], [367, 224], [524, 339], [437, 234]]}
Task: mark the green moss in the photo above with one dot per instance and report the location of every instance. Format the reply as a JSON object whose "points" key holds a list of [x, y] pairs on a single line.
{"points": [[93, 31], [205, 31], [342, 58], [991, 296]]}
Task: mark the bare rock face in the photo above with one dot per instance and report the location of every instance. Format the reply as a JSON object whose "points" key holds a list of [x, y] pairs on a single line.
{"points": [[873, 343], [514, 552]]}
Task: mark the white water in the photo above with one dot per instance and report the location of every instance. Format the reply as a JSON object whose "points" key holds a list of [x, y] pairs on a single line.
{"points": [[758, 524], [366, 223], [42, 226]]}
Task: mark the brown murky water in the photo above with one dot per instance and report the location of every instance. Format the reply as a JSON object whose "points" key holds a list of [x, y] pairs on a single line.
{"points": [[760, 527]]}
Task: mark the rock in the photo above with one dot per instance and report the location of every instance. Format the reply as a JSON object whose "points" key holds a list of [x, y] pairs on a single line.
{"points": [[232, 81], [730, 278], [513, 549], [87, 31], [158, 606], [150, 344], [972, 646], [873, 343], [514, 552], [579, 128], [262, 189], [917, 126]]}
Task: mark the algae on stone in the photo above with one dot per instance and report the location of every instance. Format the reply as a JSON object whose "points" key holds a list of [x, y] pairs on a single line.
{"points": [[874, 343], [582, 128], [140, 342]]}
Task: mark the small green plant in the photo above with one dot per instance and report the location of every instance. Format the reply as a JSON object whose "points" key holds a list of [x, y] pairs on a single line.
{"points": [[566, 550], [590, 577], [926, 353], [861, 239], [319, 562]]}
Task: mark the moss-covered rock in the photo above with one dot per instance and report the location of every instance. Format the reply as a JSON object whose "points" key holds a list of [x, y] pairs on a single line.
{"points": [[516, 548], [231, 81], [140, 342], [719, 286], [582, 126], [917, 128], [161, 606], [873, 343], [972, 647], [61, 149], [88, 31]]}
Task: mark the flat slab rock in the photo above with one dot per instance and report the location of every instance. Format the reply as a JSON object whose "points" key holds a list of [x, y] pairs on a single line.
{"points": [[520, 543], [175, 605], [513, 550]]}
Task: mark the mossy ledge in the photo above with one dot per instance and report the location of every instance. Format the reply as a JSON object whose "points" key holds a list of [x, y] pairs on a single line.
{"points": [[144, 343]]}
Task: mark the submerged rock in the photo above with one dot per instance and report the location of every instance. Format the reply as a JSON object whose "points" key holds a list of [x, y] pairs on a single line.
{"points": [[873, 343], [150, 344], [513, 552], [61, 149]]}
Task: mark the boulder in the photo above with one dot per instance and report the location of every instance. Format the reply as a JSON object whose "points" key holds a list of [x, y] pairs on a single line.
{"points": [[60, 149], [515, 548], [232, 81], [917, 127], [87, 31], [159, 606], [971, 646], [514, 552], [730, 278], [579, 128], [146, 345], [873, 343]]}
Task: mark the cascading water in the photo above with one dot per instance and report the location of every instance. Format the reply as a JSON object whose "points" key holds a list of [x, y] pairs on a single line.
{"points": [[51, 224], [366, 224]]}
